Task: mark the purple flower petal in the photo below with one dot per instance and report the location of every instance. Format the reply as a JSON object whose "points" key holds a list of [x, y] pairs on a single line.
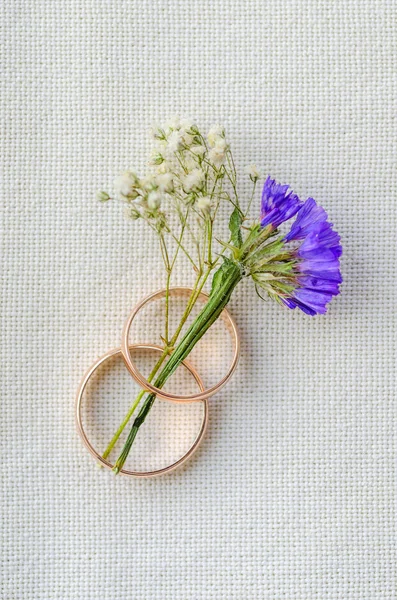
{"points": [[309, 215], [319, 284], [321, 269], [317, 301], [279, 203], [296, 303]]}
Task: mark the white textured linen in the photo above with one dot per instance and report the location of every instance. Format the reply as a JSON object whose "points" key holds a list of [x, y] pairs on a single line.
{"points": [[293, 494]]}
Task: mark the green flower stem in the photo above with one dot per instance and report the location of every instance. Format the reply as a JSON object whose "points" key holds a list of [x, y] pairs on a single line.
{"points": [[198, 286], [220, 296], [250, 200], [169, 273], [126, 419]]}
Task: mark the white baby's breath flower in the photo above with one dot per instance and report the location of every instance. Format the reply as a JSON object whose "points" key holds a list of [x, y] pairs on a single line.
{"points": [[253, 172], [186, 124], [215, 134], [194, 180], [187, 134], [187, 138], [159, 153], [141, 201], [154, 200], [217, 154], [221, 144], [204, 204], [190, 162], [163, 168], [148, 182], [173, 123], [198, 150], [165, 181], [174, 142], [124, 184]]}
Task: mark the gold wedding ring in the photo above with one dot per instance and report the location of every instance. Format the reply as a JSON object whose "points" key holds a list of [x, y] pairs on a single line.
{"points": [[146, 385], [93, 451]]}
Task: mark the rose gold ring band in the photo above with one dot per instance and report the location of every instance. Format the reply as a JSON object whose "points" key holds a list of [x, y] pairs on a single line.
{"points": [[137, 375], [99, 458]]}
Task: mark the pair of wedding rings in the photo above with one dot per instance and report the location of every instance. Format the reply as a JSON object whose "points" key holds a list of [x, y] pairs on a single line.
{"points": [[127, 350]]}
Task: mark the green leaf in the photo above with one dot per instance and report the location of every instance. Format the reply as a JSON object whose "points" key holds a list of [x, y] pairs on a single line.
{"points": [[234, 226]]}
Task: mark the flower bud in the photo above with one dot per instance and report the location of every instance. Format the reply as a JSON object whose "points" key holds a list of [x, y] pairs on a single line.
{"points": [[161, 222], [204, 204], [125, 184], [102, 196], [156, 159], [131, 213], [194, 180], [165, 182], [154, 200], [199, 150], [217, 153], [135, 214], [215, 134], [158, 133], [252, 171]]}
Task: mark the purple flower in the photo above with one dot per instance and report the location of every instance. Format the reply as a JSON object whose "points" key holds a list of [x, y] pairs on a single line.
{"points": [[279, 203], [302, 268], [317, 269]]}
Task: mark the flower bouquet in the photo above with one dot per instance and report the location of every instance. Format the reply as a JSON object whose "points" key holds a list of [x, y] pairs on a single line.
{"points": [[191, 181]]}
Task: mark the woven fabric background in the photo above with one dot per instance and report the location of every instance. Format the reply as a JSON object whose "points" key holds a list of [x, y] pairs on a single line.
{"points": [[293, 493]]}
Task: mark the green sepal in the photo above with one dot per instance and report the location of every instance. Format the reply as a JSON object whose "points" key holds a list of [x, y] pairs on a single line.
{"points": [[283, 268], [266, 251], [220, 274], [235, 222], [235, 251], [285, 288]]}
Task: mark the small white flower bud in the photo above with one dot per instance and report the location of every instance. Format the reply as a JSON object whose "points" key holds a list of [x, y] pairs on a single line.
{"points": [[165, 182], [187, 125], [174, 142], [215, 133], [194, 180], [131, 213], [204, 204], [161, 169], [217, 155], [125, 184], [187, 139], [221, 144], [148, 182], [174, 123], [158, 133], [135, 214], [253, 172], [154, 200], [156, 158], [102, 196], [198, 150]]}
